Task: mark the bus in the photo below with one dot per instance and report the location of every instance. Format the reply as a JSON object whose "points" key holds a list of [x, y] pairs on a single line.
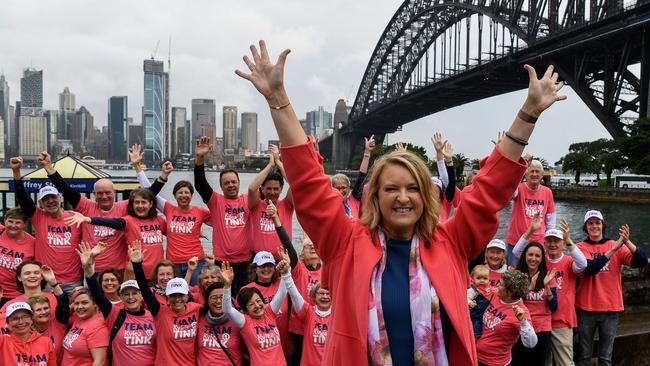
{"points": [[633, 181]]}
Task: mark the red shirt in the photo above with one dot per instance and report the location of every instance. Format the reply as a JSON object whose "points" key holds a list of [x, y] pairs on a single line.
{"points": [[565, 280], [151, 232], [84, 335], [115, 255], [177, 336], [495, 278], [135, 342], [209, 351], [229, 232], [304, 279], [56, 244], [262, 229], [12, 253], [537, 305], [527, 203], [35, 351], [603, 291], [184, 231], [55, 332], [282, 317], [500, 332], [315, 331], [262, 339]]}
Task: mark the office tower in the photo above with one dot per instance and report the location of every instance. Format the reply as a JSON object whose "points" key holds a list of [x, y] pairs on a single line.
{"points": [[188, 140], [204, 111], [5, 116], [118, 114], [229, 130], [12, 132], [319, 122], [82, 130], [52, 120], [179, 116], [209, 131], [33, 136], [249, 131], [31, 92], [3, 139], [135, 134], [153, 111], [67, 107]]}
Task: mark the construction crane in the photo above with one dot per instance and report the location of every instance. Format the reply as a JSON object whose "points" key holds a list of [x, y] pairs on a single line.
{"points": [[155, 50]]}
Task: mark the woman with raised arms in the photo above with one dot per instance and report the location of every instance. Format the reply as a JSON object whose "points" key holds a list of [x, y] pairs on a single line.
{"points": [[397, 246]]}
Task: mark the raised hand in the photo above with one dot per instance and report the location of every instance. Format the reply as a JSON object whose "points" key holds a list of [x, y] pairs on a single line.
{"points": [[136, 154], [533, 282], [227, 274], [209, 258], [85, 254], [400, 147], [192, 263], [500, 137], [135, 251], [16, 163], [167, 169], [283, 267], [284, 255], [77, 219], [265, 76], [99, 248], [624, 233], [550, 275], [448, 152], [566, 233], [528, 158], [48, 275], [542, 93], [369, 143], [275, 153], [438, 142], [271, 210], [519, 313], [44, 159], [203, 146], [536, 222]]}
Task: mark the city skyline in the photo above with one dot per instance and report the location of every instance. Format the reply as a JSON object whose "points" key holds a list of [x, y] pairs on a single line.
{"points": [[326, 64]]}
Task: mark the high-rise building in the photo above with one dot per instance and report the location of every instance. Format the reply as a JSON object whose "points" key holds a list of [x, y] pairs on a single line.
{"points": [[178, 146], [12, 132], [341, 113], [229, 130], [52, 119], [5, 116], [67, 100], [153, 111], [209, 131], [118, 114], [82, 130], [67, 109], [319, 122], [249, 131], [204, 111], [31, 92], [33, 136], [135, 134], [3, 151]]}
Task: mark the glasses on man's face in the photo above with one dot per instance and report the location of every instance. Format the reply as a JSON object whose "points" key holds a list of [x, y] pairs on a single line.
{"points": [[215, 298], [20, 319]]}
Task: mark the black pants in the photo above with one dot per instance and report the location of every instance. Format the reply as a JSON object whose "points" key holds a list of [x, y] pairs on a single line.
{"points": [[522, 356], [241, 276], [296, 342]]}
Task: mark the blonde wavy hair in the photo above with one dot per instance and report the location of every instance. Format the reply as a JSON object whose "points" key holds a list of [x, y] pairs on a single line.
{"points": [[426, 224]]}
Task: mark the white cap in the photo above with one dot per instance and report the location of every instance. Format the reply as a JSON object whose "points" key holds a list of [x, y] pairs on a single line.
{"points": [[129, 283], [496, 243], [46, 191], [555, 233], [436, 181], [263, 257], [594, 213], [18, 306], [177, 286]]}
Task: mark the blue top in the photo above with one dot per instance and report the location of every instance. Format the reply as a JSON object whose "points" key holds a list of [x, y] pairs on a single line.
{"points": [[395, 302]]}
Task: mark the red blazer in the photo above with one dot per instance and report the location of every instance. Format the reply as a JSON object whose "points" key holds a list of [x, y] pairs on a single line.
{"points": [[350, 254]]}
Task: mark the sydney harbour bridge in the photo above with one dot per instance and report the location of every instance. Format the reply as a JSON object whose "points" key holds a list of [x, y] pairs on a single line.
{"points": [[438, 54]]}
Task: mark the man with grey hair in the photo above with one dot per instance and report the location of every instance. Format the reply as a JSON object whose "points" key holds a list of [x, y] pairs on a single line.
{"points": [[103, 206], [529, 199]]}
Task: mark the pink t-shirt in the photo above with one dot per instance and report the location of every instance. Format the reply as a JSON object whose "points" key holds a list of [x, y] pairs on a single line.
{"points": [[209, 353], [55, 332], [229, 231], [183, 232], [537, 305], [262, 339], [135, 342], [315, 330], [565, 280], [304, 279], [56, 244], [151, 232], [262, 230], [495, 278], [12, 253], [115, 255], [282, 317], [177, 336], [527, 203], [603, 291], [35, 351], [500, 332], [84, 335]]}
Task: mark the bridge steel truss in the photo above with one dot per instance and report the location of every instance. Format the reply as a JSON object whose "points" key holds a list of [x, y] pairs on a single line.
{"points": [[438, 54]]}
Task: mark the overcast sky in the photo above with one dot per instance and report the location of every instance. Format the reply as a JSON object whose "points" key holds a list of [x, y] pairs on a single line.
{"points": [[96, 48]]}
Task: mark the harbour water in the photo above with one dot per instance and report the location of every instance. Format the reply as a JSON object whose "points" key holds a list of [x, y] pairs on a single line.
{"points": [[616, 214]]}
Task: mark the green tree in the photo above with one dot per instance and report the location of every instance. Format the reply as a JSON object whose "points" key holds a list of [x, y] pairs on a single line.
{"points": [[637, 146], [476, 164], [459, 164], [578, 162]]}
